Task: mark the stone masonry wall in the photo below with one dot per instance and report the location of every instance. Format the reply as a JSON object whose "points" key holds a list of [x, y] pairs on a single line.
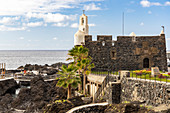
{"points": [[127, 53], [152, 93]]}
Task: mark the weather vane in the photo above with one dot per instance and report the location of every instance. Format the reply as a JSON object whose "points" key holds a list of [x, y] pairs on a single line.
{"points": [[83, 11]]}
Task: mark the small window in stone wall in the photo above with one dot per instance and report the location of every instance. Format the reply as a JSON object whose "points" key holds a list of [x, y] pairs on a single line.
{"points": [[113, 54], [103, 43]]}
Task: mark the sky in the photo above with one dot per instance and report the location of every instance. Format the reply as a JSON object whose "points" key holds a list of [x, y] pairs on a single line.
{"points": [[51, 24]]}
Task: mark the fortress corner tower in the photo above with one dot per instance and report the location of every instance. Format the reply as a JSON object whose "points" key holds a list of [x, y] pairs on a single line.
{"points": [[82, 31]]}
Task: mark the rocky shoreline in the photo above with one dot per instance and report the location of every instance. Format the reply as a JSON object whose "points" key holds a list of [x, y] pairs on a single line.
{"points": [[45, 97], [33, 99]]}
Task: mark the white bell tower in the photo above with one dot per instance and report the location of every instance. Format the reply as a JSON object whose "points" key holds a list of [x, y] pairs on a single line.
{"points": [[83, 30]]}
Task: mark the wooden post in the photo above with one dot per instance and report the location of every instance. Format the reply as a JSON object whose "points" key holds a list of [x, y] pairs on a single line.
{"points": [[4, 68], [0, 72]]}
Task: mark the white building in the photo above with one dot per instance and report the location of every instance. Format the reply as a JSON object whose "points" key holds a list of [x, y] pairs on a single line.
{"points": [[82, 31]]}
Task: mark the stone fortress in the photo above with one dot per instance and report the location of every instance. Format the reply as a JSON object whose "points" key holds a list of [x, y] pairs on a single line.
{"points": [[126, 53]]}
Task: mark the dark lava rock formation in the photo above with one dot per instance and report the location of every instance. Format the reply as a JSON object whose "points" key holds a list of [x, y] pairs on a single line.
{"points": [[62, 106], [127, 108], [49, 69], [5, 103], [8, 86], [115, 108], [40, 94]]}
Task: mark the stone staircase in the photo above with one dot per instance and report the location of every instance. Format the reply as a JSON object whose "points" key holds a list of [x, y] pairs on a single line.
{"points": [[103, 92]]}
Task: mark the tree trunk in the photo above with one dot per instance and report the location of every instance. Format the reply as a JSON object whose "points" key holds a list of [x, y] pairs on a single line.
{"points": [[79, 85], [84, 83], [69, 92]]}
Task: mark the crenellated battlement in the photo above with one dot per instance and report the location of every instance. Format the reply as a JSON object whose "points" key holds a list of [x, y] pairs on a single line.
{"points": [[99, 37]]}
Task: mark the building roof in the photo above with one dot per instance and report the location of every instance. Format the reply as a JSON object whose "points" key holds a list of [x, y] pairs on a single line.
{"points": [[132, 34], [96, 78]]}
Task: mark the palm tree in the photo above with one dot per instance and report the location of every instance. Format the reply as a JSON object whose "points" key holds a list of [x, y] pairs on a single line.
{"points": [[77, 53], [86, 66], [69, 78]]}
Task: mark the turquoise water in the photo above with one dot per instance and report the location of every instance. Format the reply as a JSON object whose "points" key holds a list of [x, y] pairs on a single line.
{"points": [[16, 58]]}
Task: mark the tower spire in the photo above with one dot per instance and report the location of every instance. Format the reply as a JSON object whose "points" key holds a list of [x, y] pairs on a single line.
{"points": [[83, 11]]}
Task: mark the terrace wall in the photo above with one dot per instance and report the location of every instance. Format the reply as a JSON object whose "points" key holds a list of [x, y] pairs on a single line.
{"points": [[150, 92]]}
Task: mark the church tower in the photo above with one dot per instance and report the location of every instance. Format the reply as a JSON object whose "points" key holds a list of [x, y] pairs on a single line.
{"points": [[82, 31]]}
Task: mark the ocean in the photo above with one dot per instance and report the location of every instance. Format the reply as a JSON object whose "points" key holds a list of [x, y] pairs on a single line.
{"points": [[16, 58]]}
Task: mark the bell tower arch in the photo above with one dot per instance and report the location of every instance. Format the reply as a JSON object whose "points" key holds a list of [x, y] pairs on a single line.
{"points": [[82, 31]]}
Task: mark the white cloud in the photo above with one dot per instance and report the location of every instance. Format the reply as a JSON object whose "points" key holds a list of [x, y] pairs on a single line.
{"points": [[21, 13], [74, 25], [21, 7], [50, 17], [141, 24], [91, 6], [55, 38], [92, 25], [146, 3], [168, 39], [34, 24], [5, 28], [149, 12], [61, 24], [8, 20], [167, 3], [21, 38]]}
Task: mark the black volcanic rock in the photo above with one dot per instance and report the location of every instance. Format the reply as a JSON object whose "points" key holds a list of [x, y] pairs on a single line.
{"points": [[23, 100], [40, 94], [8, 86], [63, 106], [5, 102], [127, 108]]}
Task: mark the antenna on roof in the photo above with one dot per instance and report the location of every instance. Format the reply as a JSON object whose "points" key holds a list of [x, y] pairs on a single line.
{"points": [[123, 26]]}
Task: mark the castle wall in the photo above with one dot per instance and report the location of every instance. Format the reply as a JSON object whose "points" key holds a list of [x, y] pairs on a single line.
{"points": [[128, 52]]}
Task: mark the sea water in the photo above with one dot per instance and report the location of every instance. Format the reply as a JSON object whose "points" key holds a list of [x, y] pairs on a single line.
{"points": [[16, 58]]}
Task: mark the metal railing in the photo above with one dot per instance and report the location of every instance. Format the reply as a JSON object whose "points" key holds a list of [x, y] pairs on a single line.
{"points": [[145, 76]]}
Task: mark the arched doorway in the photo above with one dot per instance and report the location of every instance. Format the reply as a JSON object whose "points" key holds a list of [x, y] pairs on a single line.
{"points": [[145, 63]]}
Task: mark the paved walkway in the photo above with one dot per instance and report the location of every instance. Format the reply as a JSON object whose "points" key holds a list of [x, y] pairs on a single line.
{"points": [[6, 78], [88, 105]]}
